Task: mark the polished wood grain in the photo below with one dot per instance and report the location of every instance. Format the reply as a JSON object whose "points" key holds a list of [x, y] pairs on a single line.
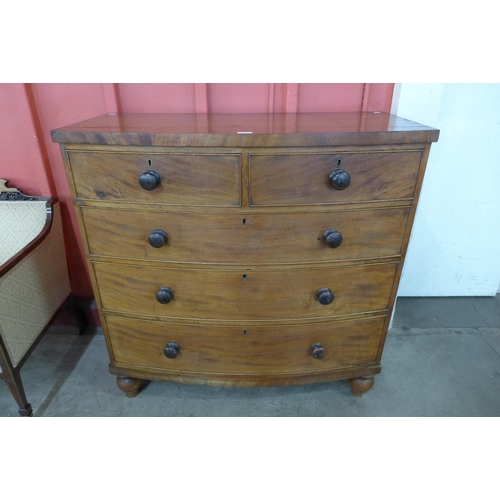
{"points": [[267, 130], [244, 294], [249, 238], [185, 179], [245, 379], [304, 179], [245, 350], [240, 230]]}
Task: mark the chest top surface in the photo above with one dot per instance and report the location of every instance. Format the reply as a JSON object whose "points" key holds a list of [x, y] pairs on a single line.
{"points": [[246, 130]]}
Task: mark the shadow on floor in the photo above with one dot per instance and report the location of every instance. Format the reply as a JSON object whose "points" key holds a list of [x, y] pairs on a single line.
{"points": [[69, 350]]}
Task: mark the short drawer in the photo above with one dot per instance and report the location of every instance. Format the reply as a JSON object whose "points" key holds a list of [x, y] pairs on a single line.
{"points": [[195, 180], [306, 179], [245, 238], [241, 350], [244, 294]]}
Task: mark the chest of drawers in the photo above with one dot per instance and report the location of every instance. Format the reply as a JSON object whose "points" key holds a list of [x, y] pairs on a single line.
{"points": [[245, 249]]}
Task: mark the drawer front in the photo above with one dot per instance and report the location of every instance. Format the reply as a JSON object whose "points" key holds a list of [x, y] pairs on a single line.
{"points": [[245, 294], [252, 350], [304, 179], [184, 179], [248, 238]]}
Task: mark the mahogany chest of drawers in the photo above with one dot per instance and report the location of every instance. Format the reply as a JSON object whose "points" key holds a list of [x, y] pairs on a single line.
{"points": [[245, 249]]}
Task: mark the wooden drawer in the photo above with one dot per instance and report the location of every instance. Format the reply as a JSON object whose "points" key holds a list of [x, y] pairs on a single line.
{"points": [[252, 350], [244, 294], [304, 179], [185, 179], [245, 238]]}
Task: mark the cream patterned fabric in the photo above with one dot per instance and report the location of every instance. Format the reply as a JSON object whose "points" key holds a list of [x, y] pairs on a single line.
{"points": [[32, 291], [20, 223]]}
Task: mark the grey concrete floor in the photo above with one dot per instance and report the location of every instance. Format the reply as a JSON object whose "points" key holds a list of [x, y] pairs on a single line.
{"points": [[442, 358]]}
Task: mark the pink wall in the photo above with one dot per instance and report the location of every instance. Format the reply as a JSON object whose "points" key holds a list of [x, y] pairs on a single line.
{"points": [[33, 163]]}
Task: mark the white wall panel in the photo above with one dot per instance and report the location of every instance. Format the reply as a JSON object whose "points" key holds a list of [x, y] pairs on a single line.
{"points": [[455, 244]]}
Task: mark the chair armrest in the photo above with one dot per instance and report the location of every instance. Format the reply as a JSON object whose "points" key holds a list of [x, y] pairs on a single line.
{"points": [[18, 256]]}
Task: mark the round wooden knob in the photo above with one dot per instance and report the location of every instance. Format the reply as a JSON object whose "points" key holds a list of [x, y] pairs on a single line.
{"points": [[165, 295], [172, 350], [332, 238], [340, 179], [325, 296], [158, 238], [317, 351], [149, 180]]}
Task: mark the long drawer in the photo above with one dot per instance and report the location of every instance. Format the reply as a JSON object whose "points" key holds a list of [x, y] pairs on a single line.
{"points": [[247, 238], [253, 350], [205, 179], [244, 294], [304, 179]]}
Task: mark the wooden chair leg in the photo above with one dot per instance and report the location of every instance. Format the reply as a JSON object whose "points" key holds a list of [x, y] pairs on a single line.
{"points": [[16, 388]]}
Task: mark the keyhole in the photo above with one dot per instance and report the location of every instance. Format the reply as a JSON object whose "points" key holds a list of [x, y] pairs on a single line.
{"points": [[339, 162], [244, 222], [150, 162], [244, 332], [244, 277]]}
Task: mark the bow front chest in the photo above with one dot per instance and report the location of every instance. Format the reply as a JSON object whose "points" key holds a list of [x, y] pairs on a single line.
{"points": [[245, 249]]}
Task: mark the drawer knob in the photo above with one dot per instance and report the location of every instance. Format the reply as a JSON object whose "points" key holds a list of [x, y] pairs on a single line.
{"points": [[340, 179], [317, 351], [149, 180], [158, 238], [172, 350], [332, 238], [325, 296], [165, 295]]}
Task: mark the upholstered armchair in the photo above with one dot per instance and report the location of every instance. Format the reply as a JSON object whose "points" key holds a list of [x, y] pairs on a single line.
{"points": [[34, 283]]}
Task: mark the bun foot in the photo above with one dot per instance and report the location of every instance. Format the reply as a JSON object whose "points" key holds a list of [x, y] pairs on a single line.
{"points": [[130, 386], [361, 385]]}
